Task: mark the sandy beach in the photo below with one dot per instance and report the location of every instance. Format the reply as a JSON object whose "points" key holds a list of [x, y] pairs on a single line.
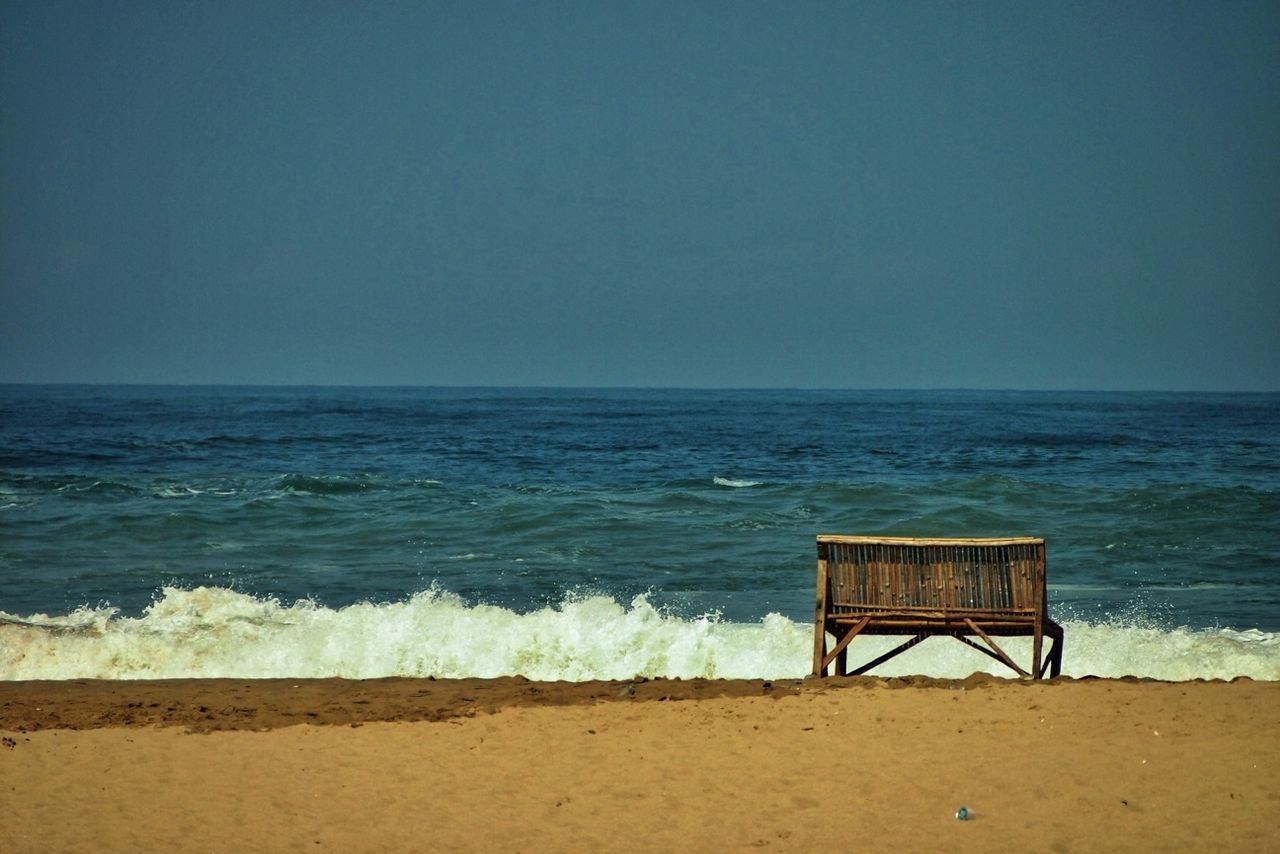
{"points": [[508, 764]]}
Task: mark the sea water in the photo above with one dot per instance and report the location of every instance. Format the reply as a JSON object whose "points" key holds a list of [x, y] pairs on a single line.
{"points": [[150, 532]]}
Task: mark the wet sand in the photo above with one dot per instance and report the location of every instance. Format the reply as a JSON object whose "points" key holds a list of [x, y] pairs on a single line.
{"points": [[662, 765]]}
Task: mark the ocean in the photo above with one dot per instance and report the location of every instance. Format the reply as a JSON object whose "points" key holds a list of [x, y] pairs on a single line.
{"points": [[572, 534]]}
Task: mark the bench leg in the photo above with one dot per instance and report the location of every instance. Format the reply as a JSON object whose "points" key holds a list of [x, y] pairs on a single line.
{"points": [[1053, 661], [819, 646], [839, 653], [1037, 645]]}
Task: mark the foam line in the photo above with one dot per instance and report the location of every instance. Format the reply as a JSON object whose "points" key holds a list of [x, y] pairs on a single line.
{"points": [[216, 632]]}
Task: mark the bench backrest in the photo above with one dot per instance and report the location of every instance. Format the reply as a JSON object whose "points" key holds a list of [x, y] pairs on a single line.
{"points": [[997, 577]]}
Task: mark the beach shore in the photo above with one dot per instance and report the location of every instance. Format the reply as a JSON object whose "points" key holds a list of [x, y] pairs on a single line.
{"points": [[660, 765]]}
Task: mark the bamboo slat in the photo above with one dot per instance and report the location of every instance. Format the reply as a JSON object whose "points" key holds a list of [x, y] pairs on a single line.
{"points": [[927, 541]]}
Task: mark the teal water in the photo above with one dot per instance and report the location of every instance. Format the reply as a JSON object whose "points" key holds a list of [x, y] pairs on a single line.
{"points": [[120, 505]]}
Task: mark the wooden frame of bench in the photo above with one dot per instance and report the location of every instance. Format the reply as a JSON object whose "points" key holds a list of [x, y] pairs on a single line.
{"points": [[961, 588]]}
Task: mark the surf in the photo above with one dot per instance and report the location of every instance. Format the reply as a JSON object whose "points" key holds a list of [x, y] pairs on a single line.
{"points": [[208, 632]]}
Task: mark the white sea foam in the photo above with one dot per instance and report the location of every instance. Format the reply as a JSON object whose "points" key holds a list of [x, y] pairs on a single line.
{"points": [[736, 484], [215, 632], [178, 491]]}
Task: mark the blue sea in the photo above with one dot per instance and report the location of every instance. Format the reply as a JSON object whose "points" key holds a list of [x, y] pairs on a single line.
{"points": [[154, 532]]}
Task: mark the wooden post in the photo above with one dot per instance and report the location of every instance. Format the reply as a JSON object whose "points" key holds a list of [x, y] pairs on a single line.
{"points": [[820, 612], [1041, 600]]}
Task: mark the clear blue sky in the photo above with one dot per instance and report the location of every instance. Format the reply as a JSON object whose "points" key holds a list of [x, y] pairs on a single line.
{"points": [[987, 195]]}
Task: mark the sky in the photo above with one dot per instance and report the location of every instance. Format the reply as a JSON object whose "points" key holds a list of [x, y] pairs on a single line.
{"points": [[698, 194]]}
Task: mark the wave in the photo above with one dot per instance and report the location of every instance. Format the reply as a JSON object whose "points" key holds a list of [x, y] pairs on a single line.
{"points": [[210, 632], [326, 484], [736, 484]]}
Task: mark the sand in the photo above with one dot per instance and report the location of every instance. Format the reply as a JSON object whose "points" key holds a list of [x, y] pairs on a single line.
{"points": [[470, 765]]}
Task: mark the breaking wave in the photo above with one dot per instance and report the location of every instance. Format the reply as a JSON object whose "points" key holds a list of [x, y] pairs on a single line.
{"points": [[217, 632]]}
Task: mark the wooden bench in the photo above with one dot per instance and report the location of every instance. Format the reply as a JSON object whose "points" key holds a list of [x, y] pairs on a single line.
{"points": [[962, 588]]}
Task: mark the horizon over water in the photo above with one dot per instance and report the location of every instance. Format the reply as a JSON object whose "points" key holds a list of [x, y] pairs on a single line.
{"points": [[580, 533]]}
